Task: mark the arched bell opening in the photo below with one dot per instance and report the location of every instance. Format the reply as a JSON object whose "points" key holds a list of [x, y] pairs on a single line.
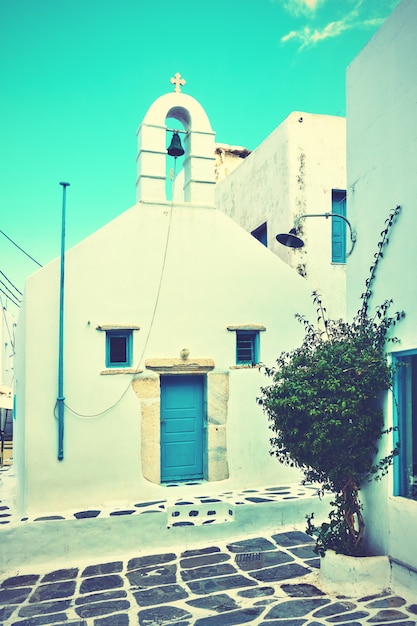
{"points": [[176, 150]]}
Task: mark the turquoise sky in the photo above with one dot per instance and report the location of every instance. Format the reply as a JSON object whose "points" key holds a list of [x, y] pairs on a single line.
{"points": [[78, 77]]}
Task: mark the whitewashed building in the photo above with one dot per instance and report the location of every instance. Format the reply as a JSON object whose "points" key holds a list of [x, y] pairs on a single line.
{"points": [[381, 168], [298, 169], [168, 309]]}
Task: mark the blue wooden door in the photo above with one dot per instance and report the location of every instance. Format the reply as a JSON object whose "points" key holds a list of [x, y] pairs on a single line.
{"points": [[182, 403]]}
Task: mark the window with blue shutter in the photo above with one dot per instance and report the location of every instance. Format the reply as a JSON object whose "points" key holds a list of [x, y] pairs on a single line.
{"points": [[338, 226], [247, 347], [118, 348], [405, 418]]}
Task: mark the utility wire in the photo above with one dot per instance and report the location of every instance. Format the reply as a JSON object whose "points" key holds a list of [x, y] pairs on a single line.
{"points": [[10, 282], [17, 303], [9, 290], [7, 324], [21, 249]]}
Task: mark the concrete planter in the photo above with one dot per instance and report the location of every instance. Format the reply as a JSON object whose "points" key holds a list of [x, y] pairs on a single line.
{"points": [[354, 575]]}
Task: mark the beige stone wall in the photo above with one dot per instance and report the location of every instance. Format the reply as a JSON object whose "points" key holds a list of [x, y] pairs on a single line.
{"points": [[147, 389]]}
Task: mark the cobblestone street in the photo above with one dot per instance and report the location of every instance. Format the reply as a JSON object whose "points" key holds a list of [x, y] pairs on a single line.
{"points": [[269, 580]]}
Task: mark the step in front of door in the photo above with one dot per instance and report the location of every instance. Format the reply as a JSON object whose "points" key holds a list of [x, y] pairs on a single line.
{"points": [[198, 514]]}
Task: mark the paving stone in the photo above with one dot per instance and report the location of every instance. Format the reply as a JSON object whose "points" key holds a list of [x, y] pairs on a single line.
{"points": [[222, 583], [292, 538], [302, 590], [228, 619], [281, 572], [258, 499], [120, 619], [98, 597], [355, 615], [304, 552], [127, 512], [20, 581], [6, 611], [386, 603], [60, 574], [101, 608], [87, 514], [153, 559], [153, 503], [219, 603], [258, 592], [204, 559], [412, 608], [52, 591], [289, 622], [151, 576], [160, 595], [264, 559], [164, 615], [295, 608], [103, 568], [101, 583], [44, 608], [199, 551], [258, 544], [40, 620], [335, 608], [208, 572], [387, 616], [14, 595]]}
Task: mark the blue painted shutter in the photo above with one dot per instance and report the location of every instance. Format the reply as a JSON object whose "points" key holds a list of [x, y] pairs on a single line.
{"points": [[338, 227]]}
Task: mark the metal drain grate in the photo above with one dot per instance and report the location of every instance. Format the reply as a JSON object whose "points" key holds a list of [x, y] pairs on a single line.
{"points": [[246, 557]]}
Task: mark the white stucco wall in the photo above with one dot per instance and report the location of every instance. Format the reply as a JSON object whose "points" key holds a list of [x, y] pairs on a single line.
{"points": [[215, 274], [381, 166], [291, 173]]}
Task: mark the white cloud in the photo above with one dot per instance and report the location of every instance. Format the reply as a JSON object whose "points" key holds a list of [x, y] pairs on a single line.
{"points": [[301, 7], [308, 36]]}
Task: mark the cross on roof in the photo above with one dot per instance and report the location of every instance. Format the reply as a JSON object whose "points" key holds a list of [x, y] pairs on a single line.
{"points": [[178, 81]]}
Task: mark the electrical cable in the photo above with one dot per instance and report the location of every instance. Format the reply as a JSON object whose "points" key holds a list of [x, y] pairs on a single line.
{"points": [[95, 415], [21, 249], [6, 321], [10, 282], [10, 298], [9, 290]]}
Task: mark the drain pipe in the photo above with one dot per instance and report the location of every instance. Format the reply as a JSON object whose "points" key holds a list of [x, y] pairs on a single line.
{"points": [[60, 399]]}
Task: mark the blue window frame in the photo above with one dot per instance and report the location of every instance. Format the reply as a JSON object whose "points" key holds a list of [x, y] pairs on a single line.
{"points": [[338, 226], [405, 418], [119, 348], [247, 347]]}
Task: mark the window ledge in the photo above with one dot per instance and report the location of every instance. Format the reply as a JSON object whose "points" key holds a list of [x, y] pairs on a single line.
{"points": [[120, 370], [245, 366], [117, 327], [180, 365], [254, 327]]}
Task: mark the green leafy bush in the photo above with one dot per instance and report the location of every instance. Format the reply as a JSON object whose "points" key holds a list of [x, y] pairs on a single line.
{"points": [[324, 407]]}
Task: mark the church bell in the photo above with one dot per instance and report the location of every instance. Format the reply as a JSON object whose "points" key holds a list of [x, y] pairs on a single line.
{"points": [[175, 149]]}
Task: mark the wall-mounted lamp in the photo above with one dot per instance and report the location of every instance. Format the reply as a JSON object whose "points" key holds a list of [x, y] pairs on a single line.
{"points": [[291, 239]]}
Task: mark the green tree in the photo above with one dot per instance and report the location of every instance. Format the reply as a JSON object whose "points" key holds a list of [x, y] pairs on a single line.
{"points": [[324, 407]]}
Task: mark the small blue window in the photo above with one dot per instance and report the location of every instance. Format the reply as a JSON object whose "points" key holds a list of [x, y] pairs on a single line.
{"points": [[247, 347], [405, 418], [118, 348], [338, 226]]}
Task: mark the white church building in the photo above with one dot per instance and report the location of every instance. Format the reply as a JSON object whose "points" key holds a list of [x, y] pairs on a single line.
{"points": [[168, 310]]}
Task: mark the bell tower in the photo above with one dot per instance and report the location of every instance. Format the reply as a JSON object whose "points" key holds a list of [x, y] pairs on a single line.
{"points": [[198, 141]]}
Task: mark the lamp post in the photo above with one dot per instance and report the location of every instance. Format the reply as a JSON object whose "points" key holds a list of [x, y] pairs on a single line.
{"points": [[291, 239], [60, 398]]}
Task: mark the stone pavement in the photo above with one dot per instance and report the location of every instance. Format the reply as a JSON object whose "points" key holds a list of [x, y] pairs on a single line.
{"points": [[269, 580]]}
